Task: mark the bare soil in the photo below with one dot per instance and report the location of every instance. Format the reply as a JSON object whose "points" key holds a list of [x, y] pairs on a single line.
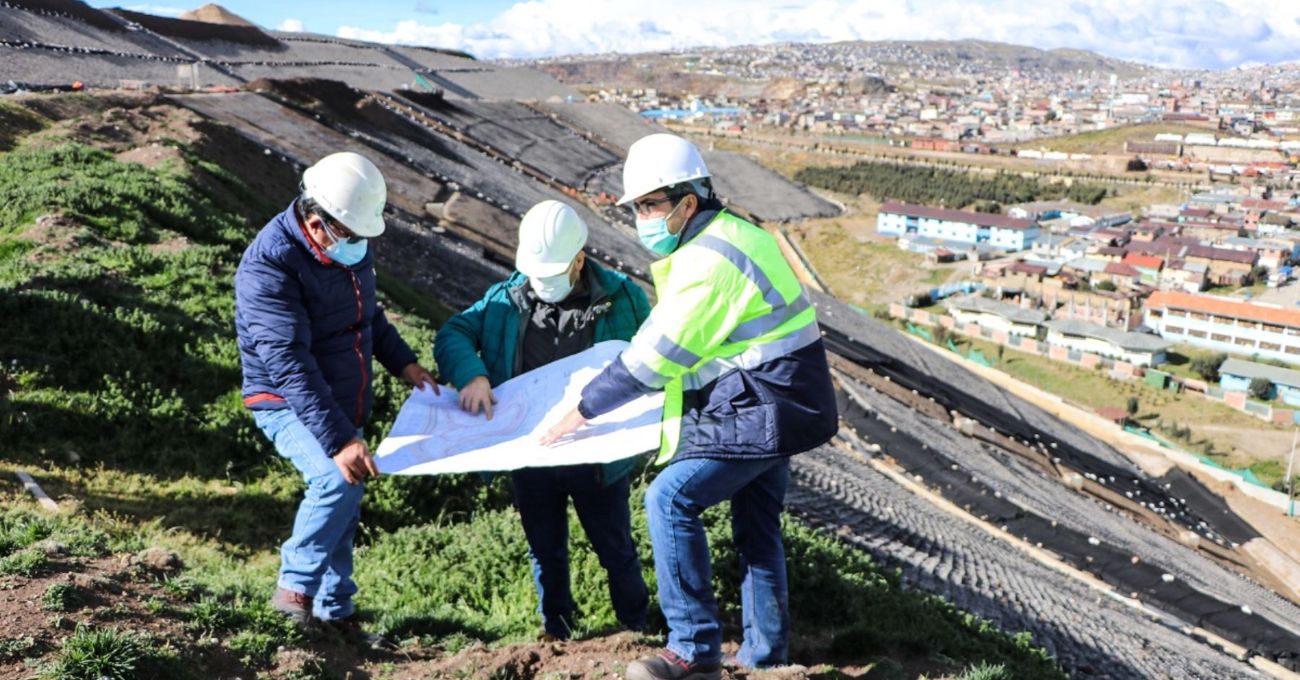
{"points": [[126, 592]]}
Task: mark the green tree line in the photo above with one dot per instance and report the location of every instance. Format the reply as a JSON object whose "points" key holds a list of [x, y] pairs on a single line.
{"points": [[940, 186]]}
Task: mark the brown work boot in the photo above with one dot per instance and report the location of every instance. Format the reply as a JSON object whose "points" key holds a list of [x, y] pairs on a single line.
{"points": [[666, 665], [293, 604], [350, 628]]}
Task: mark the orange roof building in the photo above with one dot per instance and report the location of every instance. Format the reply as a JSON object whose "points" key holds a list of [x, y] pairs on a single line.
{"points": [[1233, 326]]}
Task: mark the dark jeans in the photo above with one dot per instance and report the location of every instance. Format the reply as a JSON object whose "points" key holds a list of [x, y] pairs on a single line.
{"points": [[674, 502], [542, 497]]}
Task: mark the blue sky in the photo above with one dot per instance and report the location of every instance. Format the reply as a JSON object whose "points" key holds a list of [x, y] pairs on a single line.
{"points": [[1176, 33]]}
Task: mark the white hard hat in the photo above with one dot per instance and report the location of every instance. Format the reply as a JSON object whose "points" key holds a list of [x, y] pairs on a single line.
{"points": [[349, 187], [657, 161], [550, 236]]}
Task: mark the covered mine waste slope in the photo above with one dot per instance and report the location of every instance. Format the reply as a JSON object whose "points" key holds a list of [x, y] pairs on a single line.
{"points": [[952, 529]]}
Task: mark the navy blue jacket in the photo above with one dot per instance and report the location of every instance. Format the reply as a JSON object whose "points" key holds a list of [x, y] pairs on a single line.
{"points": [[307, 328], [779, 408]]}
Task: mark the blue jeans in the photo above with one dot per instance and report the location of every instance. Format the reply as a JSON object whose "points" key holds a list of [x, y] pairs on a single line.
{"points": [[317, 558], [542, 497], [674, 503]]}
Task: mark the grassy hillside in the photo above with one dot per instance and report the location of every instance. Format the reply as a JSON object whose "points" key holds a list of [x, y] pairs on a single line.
{"points": [[119, 391], [1109, 141]]}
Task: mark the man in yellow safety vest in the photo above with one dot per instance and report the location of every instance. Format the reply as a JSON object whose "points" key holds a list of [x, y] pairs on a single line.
{"points": [[733, 342]]}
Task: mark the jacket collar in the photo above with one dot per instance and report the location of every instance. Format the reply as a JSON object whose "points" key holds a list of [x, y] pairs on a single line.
{"points": [[293, 225], [593, 276], [709, 209]]}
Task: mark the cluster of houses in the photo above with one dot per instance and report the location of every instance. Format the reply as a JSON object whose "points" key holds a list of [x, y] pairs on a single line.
{"points": [[1014, 320], [1229, 329], [1096, 280], [1233, 118]]}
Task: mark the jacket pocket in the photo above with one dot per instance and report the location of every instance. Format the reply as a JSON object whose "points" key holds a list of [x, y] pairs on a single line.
{"points": [[738, 417]]}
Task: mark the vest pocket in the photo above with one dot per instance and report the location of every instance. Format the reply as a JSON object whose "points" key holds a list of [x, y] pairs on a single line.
{"points": [[738, 417]]}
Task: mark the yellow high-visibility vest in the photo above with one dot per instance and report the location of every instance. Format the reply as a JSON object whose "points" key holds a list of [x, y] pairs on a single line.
{"points": [[727, 299]]}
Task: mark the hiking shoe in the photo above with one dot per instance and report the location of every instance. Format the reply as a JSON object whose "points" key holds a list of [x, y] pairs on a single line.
{"points": [[350, 628], [668, 666], [295, 605]]}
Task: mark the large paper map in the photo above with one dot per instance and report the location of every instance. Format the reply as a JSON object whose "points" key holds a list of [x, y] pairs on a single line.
{"points": [[432, 435]]}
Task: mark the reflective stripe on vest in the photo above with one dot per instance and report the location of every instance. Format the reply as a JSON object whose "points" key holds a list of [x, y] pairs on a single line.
{"points": [[773, 327]]}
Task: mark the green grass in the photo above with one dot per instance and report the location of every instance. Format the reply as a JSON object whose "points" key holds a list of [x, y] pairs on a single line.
{"points": [[95, 653], [61, 597], [17, 122], [1161, 410], [865, 272], [23, 563], [954, 188], [1109, 141]]}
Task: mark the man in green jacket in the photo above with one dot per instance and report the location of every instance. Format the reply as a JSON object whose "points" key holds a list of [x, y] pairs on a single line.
{"points": [[557, 304]]}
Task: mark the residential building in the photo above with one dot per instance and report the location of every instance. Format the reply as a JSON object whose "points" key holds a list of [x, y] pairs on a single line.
{"points": [[1075, 214], [996, 315], [1225, 325], [958, 226], [1224, 267], [1148, 266], [1139, 349], [1051, 245], [1235, 375], [1188, 277], [1119, 309]]}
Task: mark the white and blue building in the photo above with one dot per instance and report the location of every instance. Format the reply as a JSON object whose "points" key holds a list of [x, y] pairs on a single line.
{"points": [[959, 228], [1235, 375], [1139, 349]]}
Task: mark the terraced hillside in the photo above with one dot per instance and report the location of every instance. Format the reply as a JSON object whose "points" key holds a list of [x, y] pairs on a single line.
{"points": [[1043, 535]]}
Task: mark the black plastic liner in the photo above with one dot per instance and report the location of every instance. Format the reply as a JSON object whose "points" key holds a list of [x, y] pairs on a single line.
{"points": [[1208, 505], [1112, 565], [201, 30], [1189, 509], [77, 10]]}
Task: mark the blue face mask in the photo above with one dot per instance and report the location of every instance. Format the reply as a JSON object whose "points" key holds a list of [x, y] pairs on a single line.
{"points": [[346, 253], [654, 233]]}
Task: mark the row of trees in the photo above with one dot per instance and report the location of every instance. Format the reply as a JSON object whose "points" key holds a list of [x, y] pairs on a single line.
{"points": [[940, 186]]}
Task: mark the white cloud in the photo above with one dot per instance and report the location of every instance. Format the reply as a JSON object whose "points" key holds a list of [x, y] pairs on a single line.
{"points": [[291, 25], [1177, 33], [157, 10]]}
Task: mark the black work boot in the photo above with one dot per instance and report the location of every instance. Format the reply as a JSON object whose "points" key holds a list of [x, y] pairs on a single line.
{"points": [[350, 628], [666, 665], [294, 605]]}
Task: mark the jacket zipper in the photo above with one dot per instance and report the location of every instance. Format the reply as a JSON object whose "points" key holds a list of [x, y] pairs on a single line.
{"points": [[356, 346]]}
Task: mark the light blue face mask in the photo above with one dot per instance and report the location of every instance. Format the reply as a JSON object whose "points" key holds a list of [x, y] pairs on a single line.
{"points": [[346, 253], [654, 233]]}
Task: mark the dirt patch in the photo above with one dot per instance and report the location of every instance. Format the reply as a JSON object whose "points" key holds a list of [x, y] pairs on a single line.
{"points": [[148, 130], [119, 129], [216, 14], [1250, 443], [56, 235], [151, 156], [70, 106], [106, 592], [597, 657]]}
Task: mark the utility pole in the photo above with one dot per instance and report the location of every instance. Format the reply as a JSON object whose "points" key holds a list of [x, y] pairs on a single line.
{"points": [[1290, 479]]}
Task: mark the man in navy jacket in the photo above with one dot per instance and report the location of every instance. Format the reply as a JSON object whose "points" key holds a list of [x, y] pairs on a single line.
{"points": [[308, 326]]}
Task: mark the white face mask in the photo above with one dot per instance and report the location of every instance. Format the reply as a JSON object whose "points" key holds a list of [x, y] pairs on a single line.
{"points": [[551, 288]]}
